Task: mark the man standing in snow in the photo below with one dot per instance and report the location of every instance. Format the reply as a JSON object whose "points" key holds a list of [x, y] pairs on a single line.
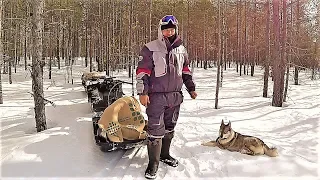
{"points": [[161, 72]]}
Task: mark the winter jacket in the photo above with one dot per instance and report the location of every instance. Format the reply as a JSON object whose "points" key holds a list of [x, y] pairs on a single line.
{"points": [[163, 67]]}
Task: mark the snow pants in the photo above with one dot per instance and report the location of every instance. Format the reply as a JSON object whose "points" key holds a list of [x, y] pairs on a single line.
{"points": [[163, 113]]}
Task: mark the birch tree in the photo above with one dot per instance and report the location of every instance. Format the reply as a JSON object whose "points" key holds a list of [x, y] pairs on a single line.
{"points": [[37, 65]]}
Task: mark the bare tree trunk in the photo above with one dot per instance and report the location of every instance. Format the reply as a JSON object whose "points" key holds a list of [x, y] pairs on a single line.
{"points": [[100, 40], [74, 49], [69, 44], [150, 21], [1, 52], [288, 63], [69, 50], [85, 23], [1, 59], [188, 30], [278, 64], [86, 45], [15, 49], [286, 84], [4, 47], [130, 54], [317, 48], [314, 67], [9, 50], [58, 46], [10, 69], [73, 55], [296, 75], [296, 68], [240, 38], [267, 61], [26, 37], [205, 63], [37, 65], [103, 39], [49, 54], [223, 40], [19, 45], [133, 42], [101, 49], [119, 20], [108, 40], [254, 39], [245, 59], [63, 53], [90, 44], [113, 37], [219, 55]]}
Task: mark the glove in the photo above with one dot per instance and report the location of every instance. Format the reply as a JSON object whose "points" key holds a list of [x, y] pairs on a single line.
{"points": [[144, 100], [193, 94]]}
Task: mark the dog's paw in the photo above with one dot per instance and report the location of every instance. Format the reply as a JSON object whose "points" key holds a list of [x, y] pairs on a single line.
{"points": [[243, 151], [210, 143]]}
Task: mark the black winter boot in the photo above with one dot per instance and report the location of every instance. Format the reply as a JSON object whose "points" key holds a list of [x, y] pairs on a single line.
{"points": [[165, 155], [154, 150]]}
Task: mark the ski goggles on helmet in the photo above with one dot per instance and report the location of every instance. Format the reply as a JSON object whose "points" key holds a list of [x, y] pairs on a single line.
{"points": [[166, 19]]}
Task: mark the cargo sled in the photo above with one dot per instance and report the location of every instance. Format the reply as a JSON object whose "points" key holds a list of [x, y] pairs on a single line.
{"points": [[105, 144], [102, 91]]}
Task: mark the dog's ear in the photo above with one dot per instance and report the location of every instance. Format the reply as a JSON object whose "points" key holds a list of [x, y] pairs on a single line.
{"points": [[229, 123], [222, 122]]}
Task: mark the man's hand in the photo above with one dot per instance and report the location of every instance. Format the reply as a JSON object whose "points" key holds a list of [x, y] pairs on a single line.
{"points": [[144, 100], [193, 94]]}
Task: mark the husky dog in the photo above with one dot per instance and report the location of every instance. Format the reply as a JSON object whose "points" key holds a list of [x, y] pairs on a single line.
{"points": [[233, 141]]}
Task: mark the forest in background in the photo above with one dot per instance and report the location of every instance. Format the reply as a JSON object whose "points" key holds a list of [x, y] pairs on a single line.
{"points": [[274, 34], [110, 32]]}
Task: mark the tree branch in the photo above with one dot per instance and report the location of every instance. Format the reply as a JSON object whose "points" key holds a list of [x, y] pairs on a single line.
{"points": [[46, 101]]}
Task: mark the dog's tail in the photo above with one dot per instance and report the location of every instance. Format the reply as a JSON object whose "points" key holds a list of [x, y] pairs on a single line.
{"points": [[272, 152]]}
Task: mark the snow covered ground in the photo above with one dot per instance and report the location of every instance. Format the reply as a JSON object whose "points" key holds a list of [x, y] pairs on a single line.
{"points": [[67, 149]]}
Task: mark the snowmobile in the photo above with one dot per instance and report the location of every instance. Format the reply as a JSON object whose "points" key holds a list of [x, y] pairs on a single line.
{"points": [[103, 91]]}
